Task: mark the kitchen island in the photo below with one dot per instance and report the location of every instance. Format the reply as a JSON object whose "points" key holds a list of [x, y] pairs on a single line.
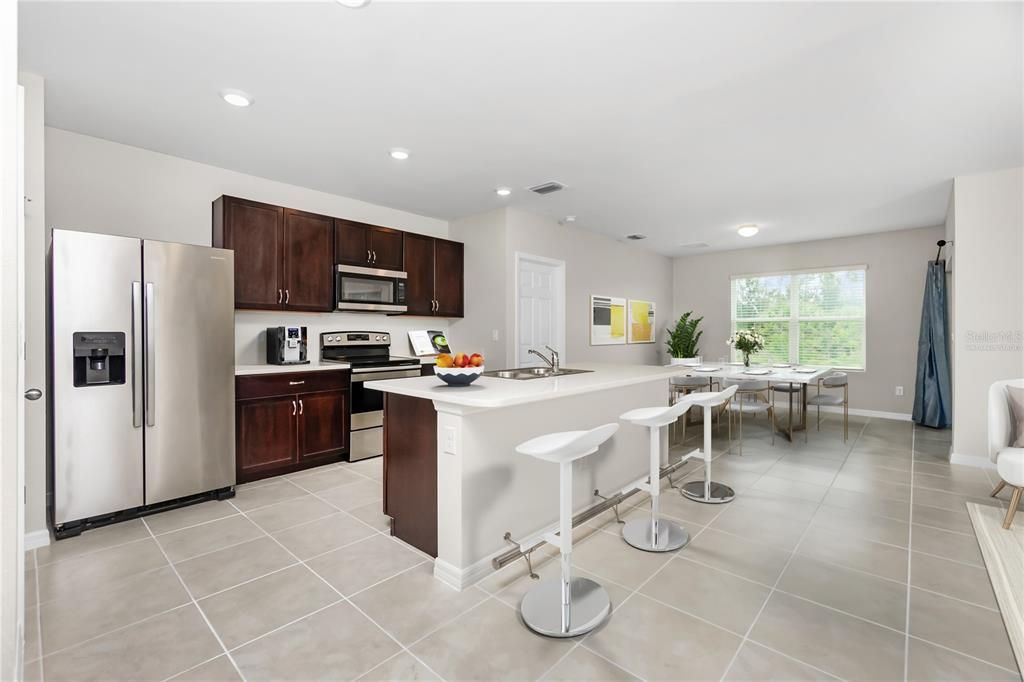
{"points": [[454, 484]]}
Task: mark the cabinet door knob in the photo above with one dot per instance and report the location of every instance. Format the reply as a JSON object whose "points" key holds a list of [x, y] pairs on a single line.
{"points": [[33, 394]]}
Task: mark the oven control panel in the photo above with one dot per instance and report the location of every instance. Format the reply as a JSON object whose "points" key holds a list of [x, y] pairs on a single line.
{"points": [[335, 339]]}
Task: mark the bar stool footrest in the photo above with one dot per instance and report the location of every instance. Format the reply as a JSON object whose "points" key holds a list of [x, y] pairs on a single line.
{"points": [[671, 536], [541, 608], [718, 493]]}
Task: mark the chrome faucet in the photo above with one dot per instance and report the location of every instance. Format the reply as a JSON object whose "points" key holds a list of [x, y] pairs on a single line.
{"points": [[551, 362]]}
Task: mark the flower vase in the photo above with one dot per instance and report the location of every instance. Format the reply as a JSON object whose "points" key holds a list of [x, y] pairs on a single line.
{"points": [[746, 359]]}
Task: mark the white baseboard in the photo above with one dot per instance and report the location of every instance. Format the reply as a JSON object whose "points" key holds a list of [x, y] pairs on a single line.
{"points": [[877, 414], [463, 578], [36, 539], [972, 461]]}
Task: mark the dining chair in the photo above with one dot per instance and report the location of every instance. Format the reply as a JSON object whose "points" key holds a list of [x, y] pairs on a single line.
{"points": [[1004, 425], [752, 398], [790, 390], [683, 386], [833, 381]]}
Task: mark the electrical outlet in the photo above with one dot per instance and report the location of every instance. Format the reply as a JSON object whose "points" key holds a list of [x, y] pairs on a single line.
{"points": [[899, 391], [494, 335], [449, 440]]}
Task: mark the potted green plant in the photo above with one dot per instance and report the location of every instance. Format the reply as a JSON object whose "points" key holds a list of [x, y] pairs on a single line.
{"points": [[747, 341], [683, 339]]}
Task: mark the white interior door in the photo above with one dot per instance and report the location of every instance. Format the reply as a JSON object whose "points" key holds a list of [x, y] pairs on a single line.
{"points": [[540, 307]]}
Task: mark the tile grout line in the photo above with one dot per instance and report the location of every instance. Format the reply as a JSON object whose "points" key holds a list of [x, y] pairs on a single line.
{"points": [[778, 579], [336, 590], [194, 602], [910, 559]]}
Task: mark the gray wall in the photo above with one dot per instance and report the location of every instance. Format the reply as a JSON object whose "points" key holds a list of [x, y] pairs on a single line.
{"points": [[593, 265], [895, 286]]}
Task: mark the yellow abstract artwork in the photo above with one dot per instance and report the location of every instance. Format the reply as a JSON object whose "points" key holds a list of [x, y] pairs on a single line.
{"points": [[641, 321], [607, 320]]}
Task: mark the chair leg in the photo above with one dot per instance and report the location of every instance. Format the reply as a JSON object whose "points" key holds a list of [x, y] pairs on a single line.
{"points": [[1014, 503], [741, 427], [790, 424], [772, 415], [819, 417], [999, 487]]}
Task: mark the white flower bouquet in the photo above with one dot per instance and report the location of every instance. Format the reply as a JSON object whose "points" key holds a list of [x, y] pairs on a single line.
{"points": [[746, 341]]}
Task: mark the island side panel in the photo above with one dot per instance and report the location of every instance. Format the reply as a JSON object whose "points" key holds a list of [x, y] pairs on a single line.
{"points": [[499, 490], [410, 470]]}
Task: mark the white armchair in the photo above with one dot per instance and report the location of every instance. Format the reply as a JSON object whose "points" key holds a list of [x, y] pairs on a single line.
{"points": [[1009, 460]]}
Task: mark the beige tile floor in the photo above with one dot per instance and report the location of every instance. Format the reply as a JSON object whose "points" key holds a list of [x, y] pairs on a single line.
{"points": [[851, 561]]}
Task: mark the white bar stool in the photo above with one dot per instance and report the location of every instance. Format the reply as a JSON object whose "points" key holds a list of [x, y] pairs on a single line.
{"points": [[680, 387], [708, 491], [568, 606], [656, 534]]}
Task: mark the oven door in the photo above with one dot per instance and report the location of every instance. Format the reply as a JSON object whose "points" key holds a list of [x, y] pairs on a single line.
{"points": [[369, 289], [367, 435]]}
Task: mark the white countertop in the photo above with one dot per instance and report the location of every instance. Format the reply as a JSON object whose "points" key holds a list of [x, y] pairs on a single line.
{"points": [[313, 366], [491, 392]]}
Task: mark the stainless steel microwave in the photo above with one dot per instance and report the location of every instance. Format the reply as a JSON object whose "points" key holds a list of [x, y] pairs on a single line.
{"points": [[370, 290]]}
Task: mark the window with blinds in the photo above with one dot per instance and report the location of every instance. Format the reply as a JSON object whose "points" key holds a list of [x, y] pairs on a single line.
{"points": [[806, 317]]}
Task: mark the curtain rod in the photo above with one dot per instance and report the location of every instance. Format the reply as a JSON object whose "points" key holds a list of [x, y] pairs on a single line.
{"points": [[940, 244]]}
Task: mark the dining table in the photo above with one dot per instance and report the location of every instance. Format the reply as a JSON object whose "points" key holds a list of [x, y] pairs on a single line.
{"points": [[800, 376]]}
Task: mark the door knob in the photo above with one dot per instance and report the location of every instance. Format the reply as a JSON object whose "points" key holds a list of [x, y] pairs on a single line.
{"points": [[33, 394]]}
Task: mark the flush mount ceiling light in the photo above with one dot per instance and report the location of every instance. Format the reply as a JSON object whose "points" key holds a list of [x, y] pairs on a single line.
{"points": [[503, 191], [399, 154], [236, 98], [747, 230], [353, 4]]}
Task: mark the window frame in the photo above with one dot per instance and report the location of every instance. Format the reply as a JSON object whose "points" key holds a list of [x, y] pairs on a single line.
{"points": [[793, 319]]}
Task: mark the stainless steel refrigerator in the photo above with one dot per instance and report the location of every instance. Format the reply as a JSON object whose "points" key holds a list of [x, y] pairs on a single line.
{"points": [[142, 371]]}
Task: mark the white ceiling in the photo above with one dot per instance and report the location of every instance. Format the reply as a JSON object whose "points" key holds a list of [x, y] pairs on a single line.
{"points": [[679, 121]]}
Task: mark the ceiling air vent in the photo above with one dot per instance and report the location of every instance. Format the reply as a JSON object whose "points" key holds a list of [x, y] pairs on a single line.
{"points": [[695, 245], [547, 187], [636, 237]]}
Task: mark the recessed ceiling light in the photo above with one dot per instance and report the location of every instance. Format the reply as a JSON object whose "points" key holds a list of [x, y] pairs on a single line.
{"points": [[747, 230], [399, 154], [503, 191], [570, 218], [354, 4], [236, 98]]}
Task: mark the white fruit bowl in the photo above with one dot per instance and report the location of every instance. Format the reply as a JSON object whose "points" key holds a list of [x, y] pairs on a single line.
{"points": [[458, 376]]}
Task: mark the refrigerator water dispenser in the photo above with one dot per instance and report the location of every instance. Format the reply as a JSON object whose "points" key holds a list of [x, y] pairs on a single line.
{"points": [[99, 358]]}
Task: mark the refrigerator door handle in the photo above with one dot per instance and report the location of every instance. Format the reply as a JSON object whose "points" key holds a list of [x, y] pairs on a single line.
{"points": [[137, 354], [150, 356]]}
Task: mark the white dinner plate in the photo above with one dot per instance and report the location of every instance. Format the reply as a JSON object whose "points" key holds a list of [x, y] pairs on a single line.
{"points": [[706, 369], [805, 370], [757, 372], [781, 365]]}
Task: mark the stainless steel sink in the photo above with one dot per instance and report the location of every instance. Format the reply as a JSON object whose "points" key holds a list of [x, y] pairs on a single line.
{"points": [[524, 373]]}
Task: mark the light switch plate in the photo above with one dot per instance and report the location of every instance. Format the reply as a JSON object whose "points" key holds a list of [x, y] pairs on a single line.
{"points": [[449, 440], [899, 390]]}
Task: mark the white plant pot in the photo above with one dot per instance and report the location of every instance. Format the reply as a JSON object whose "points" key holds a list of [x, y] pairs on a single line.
{"points": [[692, 362]]}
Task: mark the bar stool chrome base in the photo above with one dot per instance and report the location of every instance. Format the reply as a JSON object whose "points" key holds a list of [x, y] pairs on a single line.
{"points": [[541, 608], [670, 536], [716, 493]]}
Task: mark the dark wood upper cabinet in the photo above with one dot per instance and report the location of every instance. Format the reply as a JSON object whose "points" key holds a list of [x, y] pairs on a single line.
{"points": [[435, 269], [283, 258], [419, 265], [308, 261], [448, 274], [367, 245], [254, 232]]}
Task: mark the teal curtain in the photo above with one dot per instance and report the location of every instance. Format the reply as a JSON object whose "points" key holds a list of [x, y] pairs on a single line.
{"points": [[933, 396]]}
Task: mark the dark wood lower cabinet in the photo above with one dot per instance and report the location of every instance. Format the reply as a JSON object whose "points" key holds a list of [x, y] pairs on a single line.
{"points": [[290, 421], [410, 470]]}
